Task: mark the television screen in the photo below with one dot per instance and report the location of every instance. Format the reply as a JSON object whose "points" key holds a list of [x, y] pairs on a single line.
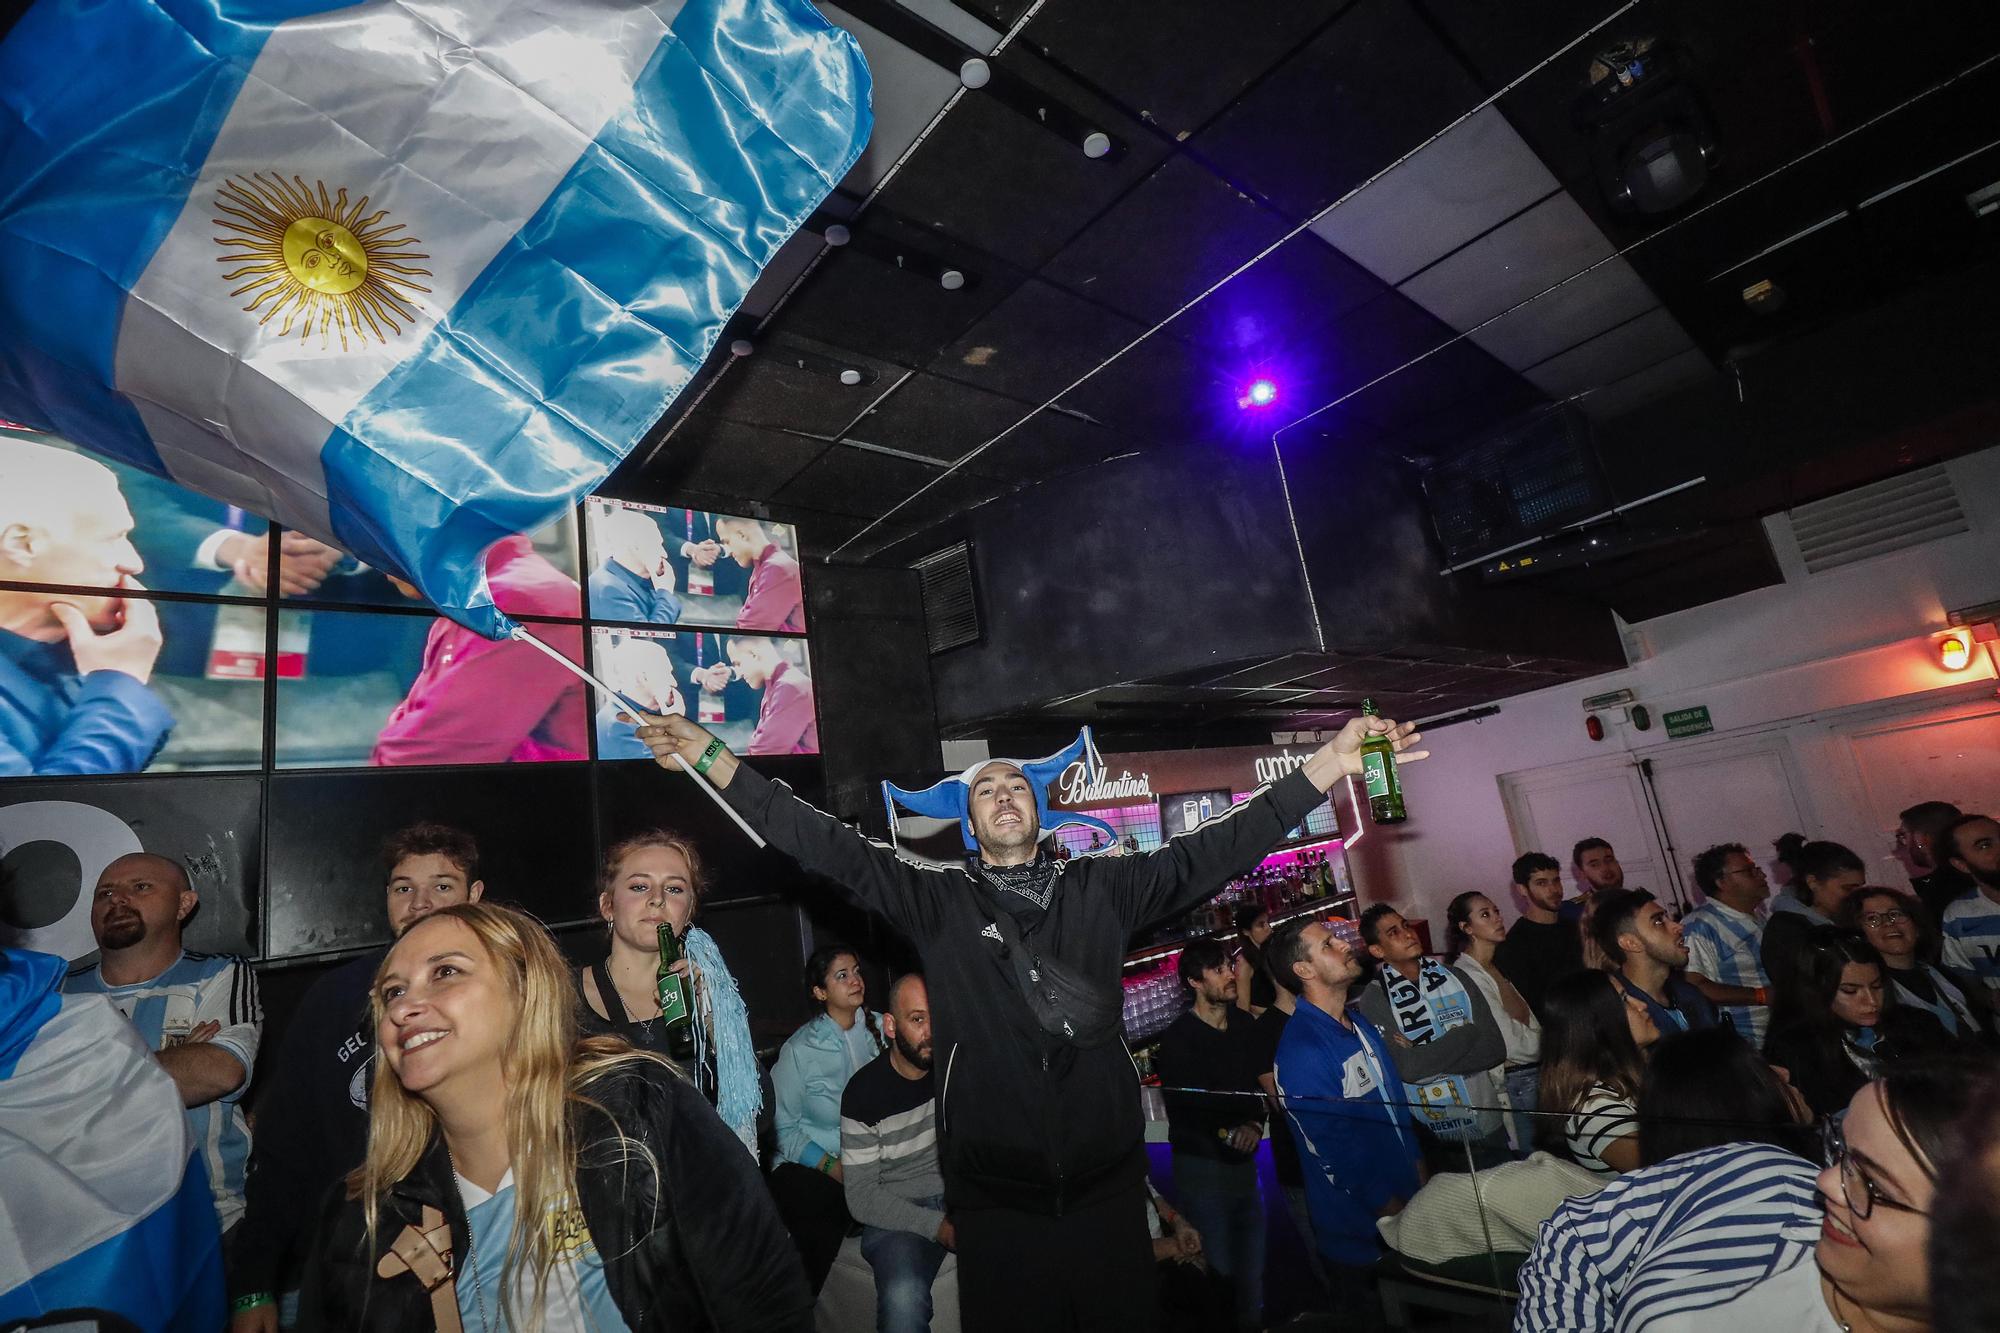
{"points": [[655, 565], [369, 688], [754, 692]]}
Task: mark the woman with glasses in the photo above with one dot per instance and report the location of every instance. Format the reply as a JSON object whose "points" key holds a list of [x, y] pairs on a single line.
{"points": [[1836, 1024], [1902, 932], [1748, 1236]]}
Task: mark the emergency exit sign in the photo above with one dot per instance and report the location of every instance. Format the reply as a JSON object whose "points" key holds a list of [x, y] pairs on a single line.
{"points": [[1688, 722]]}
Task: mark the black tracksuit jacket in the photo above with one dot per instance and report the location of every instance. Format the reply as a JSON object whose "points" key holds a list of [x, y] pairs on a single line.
{"points": [[1026, 1121]]}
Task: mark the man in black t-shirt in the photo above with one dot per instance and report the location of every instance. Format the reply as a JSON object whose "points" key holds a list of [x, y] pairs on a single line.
{"points": [[1540, 947], [1215, 1133]]}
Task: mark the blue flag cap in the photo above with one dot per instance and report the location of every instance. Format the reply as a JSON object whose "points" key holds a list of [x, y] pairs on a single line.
{"points": [[952, 798]]}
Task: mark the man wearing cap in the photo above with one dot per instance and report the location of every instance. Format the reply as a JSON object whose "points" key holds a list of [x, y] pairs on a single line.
{"points": [[1038, 1099]]}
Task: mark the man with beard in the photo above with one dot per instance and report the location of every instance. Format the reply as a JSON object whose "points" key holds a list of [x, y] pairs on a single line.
{"points": [[1971, 845], [199, 1013], [1041, 1136], [1541, 948], [312, 1126], [889, 1164], [1646, 953]]}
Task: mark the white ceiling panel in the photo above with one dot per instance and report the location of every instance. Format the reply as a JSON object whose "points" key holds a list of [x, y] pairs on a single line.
{"points": [[1609, 357], [1468, 182], [1577, 310], [944, 14], [1550, 242], [909, 92]]}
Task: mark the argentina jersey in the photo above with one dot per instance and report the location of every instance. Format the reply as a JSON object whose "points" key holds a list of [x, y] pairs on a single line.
{"points": [[198, 989], [1973, 924]]}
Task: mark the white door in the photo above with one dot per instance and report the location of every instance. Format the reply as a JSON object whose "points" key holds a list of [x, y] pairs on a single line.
{"points": [[1553, 809], [1949, 754], [1733, 790]]}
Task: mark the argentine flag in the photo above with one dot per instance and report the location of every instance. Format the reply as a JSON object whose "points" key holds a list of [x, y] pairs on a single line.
{"points": [[409, 276], [106, 1206]]}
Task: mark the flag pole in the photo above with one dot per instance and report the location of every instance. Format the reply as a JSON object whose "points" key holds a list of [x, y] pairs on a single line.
{"points": [[576, 669]]}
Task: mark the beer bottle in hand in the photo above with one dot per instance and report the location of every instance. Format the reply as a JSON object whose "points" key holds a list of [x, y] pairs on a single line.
{"points": [[1378, 774], [676, 998]]}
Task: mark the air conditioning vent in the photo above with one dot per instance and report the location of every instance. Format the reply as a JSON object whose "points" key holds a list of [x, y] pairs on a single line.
{"points": [[1873, 520], [951, 613]]}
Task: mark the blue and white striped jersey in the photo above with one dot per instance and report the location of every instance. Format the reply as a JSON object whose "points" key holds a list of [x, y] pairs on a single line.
{"points": [[1689, 1234], [1973, 924], [198, 988]]}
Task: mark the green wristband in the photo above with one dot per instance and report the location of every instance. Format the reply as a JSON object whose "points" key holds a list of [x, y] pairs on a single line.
{"points": [[707, 760], [251, 1301]]}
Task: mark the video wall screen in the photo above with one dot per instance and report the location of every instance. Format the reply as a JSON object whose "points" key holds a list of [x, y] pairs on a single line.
{"points": [[752, 690], [657, 565]]}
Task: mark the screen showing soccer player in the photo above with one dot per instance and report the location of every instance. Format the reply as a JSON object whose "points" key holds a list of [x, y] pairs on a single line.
{"points": [[658, 565], [753, 691]]}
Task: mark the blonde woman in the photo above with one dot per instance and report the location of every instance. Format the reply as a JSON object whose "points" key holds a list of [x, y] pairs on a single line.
{"points": [[520, 1178]]}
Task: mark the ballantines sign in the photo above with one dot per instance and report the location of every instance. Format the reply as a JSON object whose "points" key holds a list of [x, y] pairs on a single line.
{"points": [[1131, 779]]}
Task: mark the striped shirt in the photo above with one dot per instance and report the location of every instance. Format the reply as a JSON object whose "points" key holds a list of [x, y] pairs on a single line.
{"points": [[196, 989], [1724, 945], [888, 1149], [1692, 1233], [1602, 1120], [1973, 924]]}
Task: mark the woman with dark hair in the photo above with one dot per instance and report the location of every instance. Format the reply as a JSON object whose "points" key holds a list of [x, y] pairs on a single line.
{"points": [[655, 879], [1475, 928], [1836, 1024], [1901, 929], [1747, 1237], [1594, 1039], [1709, 1087], [1256, 986], [518, 1177], [1824, 875], [811, 1073]]}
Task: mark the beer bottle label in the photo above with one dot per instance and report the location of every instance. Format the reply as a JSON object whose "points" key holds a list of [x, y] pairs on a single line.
{"points": [[1375, 773], [673, 999]]}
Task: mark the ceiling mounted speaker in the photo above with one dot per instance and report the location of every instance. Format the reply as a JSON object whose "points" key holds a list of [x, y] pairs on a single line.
{"points": [[1651, 136]]}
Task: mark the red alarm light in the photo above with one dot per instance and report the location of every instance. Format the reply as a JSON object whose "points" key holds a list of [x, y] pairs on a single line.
{"points": [[1593, 727]]}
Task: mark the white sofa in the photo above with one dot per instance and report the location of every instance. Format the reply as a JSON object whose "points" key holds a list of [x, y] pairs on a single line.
{"points": [[847, 1301]]}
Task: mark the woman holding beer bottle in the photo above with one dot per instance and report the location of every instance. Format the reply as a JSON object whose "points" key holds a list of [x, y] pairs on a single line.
{"points": [[664, 986]]}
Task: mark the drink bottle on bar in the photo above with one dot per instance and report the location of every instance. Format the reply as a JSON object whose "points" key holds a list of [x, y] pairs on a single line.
{"points": [[676, 998], [1378, 774]]}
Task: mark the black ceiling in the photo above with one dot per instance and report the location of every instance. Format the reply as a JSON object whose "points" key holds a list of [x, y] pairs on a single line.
{"points": [[1233, 127]]}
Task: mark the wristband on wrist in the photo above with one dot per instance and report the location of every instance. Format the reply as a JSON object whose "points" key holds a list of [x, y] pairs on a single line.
{"points": [[251, 1301], [707, 760], [1763, 995], [826, 1162]]}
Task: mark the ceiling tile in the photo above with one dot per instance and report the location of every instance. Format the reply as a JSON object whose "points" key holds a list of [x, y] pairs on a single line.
{"points": [[1538, 249], [1621, 396], [1372, 86], [1302, 283], [908, 91], [1036, 342], [1645, 341], [1471, 180], [1171, 238], [791, 383], [727, 458], [855, 481], [937, 418], [1570, 314], [1049, 445]]}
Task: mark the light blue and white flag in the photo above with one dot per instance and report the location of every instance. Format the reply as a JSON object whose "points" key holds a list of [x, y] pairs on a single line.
{"points": [[407, 275], [106, 1205]]}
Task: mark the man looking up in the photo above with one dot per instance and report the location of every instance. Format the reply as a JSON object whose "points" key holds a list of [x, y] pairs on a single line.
{"points": [[1597, 870], [1644, 947], [1541, 948], [1971, 845], [312, 1126], [635, 582], [198, 1012], [1043, 1159], [1338, 1086], [889, 1163], [1920, 841], [74, 666], [1213, 1046], [1725, 938], [776, 599], [1449, 1036]]}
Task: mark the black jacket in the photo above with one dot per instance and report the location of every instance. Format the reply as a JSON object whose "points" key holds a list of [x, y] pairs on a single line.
{"points": [[312, 1123], [1028, 1121], [699, 1246]]}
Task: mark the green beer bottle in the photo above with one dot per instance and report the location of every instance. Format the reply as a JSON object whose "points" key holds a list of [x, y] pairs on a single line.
{"points": [[1378, 774], [676, 999]]}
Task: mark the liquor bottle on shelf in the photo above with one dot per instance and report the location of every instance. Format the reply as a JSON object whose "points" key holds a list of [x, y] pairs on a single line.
{"points": [[1378, 774]]}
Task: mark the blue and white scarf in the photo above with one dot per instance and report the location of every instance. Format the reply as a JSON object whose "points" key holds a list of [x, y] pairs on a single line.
{"points": [[739, 1091], [1423, 1010]]}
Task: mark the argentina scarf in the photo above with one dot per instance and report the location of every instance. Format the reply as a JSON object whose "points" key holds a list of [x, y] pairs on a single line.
{"points": [[1425, 1009]]}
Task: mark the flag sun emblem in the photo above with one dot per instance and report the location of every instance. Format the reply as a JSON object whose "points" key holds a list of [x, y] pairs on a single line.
{"points": [[315, 260]]}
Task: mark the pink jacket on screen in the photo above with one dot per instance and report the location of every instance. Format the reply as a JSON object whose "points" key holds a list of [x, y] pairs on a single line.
{"points": [[786, 723], [776, 599]]}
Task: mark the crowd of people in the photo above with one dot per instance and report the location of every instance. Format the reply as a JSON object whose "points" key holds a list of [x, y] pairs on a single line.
{"points": [[463, 1129]]}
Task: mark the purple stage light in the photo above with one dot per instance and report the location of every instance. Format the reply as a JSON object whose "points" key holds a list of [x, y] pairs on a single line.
{"points": [[1261, 393]]}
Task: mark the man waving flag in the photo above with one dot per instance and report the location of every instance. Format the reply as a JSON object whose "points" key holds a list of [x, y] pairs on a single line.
{"points": [[408, 275]]}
